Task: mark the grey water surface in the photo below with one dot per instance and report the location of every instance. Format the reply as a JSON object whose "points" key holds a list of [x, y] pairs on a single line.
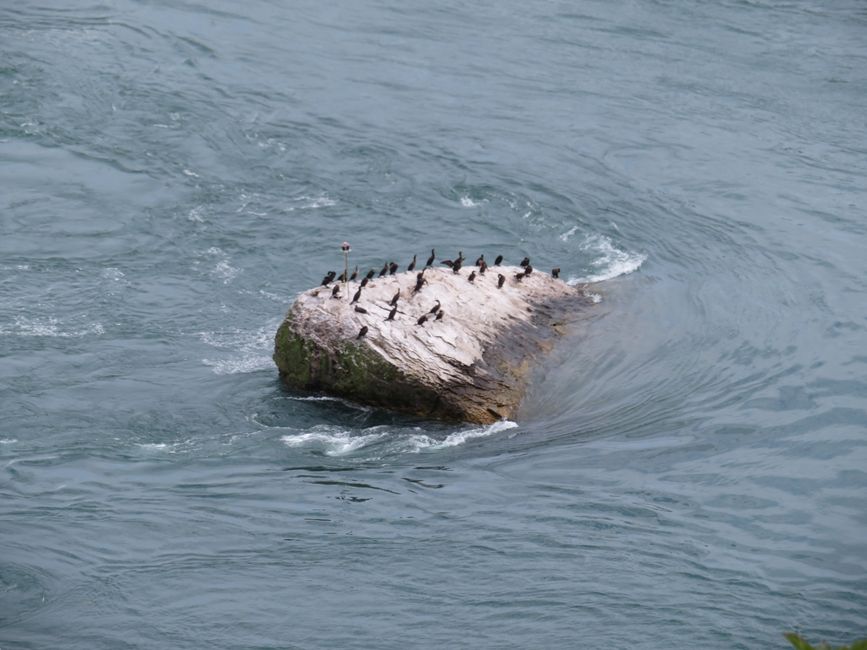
{"points": [[689, 469]]}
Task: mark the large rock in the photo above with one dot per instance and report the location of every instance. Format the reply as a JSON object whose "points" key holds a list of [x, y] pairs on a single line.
{"points": [[471, 365]]}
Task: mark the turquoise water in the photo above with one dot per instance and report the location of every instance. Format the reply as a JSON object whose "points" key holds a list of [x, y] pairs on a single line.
{"points": [[689, 470]]}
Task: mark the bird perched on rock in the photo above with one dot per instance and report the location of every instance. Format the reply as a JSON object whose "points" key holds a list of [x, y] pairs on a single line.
{"points": [[433, 256], [411, 266], [480, 261], [360, 310], [448, 263], [501, 280], [342, 277], [472, 277], [384, 270], [498, 261], [364, 281], [419, 282], [525, 261], [555, 273], [392, 313], [456, 267], [354, 274], [395, 298], [483, 267], [422, 320], [335, 291], [520, 276], [328, 278], [356, 296], [435, 308], [528, 269], [461, 256], [362, 332], [370, 274], [440, 314], [392, 268]]}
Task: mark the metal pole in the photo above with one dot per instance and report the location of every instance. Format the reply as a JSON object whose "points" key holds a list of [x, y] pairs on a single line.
{"points": [[345, 247]]}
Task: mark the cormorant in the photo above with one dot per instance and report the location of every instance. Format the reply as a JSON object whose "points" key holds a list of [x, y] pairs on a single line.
{"points": [[342, 277], [498, 260], [392, 268], [440, 314], [335, 291], [392, 313], [354, 274], [483, 267], [528, 269], [433, 256], [360, 310], [411, 266], [472, 276], [480, 260], [555, 273], [370, 274], [362, 332], [422, 320], [435, 308], [328, 278], [356, 296], [520, 276], [501, 281], [456, 267], [395, 299], [525, 261], [384, 269], [448, 263], [461, 256], [364, 281]]}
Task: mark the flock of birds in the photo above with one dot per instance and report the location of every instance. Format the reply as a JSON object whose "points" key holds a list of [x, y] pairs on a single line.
{"points": [[436, 313]]}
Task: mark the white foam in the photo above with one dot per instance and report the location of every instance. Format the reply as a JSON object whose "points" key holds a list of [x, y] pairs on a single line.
{"points": [[611, 261], [339, 442], [332, 442], [566, 235], [191, 173], [312, 203], [467, 202], [225, 271], [16, 267], [48, 326], [248, 350], [154, 446], [8, 441], [196, 215]]}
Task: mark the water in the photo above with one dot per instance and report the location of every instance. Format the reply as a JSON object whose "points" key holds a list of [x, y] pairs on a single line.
{"points": [[688, 471]]}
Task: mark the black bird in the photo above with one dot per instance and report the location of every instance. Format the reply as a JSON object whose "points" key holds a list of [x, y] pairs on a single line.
{"points": [[354, 274], [483, 267], [411, 266], [384, 269], [461, 256], [528, 269], [328, 278], [433, 256], [520, 276], [356, 296], [364, 281], [360, 310], [472, 276], [448, 263], [395, 299], [435, 308], [525, 261], [419, 285], [392, 313], [498, 260], [501, 281], [362, 332], [335, 291], [422, 320], [392, 268], [370, 274], [456, 267], [440, 314], [555, 273], [480, 261], [419, 276], [342, 277]]}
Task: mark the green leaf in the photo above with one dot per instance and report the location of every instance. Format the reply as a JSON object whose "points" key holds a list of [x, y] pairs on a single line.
{"points": [[796, 640]]}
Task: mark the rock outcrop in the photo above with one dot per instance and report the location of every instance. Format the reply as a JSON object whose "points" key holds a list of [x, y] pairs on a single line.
{"points": [[470, 365]]}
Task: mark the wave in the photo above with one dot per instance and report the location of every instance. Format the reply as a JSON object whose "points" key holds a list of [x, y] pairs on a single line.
{"points": [[336, 441], [248, 350], [48, 326], [610, 261]]}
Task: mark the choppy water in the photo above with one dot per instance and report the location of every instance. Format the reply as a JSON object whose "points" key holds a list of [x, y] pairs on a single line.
{"points": [[690, 471]]}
